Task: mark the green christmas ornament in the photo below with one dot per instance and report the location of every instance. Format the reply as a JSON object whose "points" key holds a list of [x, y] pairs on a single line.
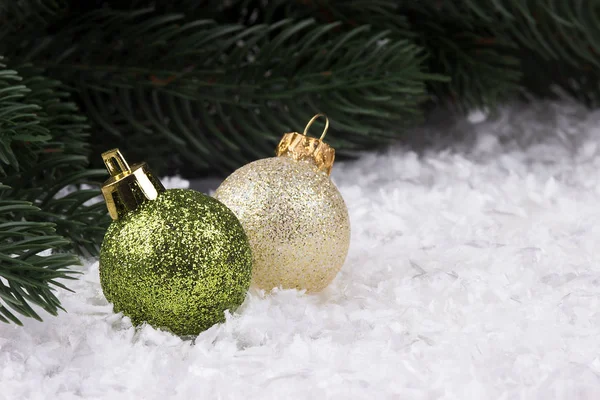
{"points": [[176, 259]]}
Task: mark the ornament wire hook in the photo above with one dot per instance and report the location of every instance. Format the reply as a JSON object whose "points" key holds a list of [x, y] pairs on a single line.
{"points": [[115, 162], [313, 120]]}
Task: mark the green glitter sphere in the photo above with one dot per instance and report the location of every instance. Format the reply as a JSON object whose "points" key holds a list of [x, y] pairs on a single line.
{"points": [[176, 262]]}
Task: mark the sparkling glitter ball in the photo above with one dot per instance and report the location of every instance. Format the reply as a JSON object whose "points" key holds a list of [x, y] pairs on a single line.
{"points": [[177, 262], [296, 221]]}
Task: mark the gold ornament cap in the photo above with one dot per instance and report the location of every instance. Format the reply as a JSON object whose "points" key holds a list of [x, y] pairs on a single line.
{"points": [[128, 187], [301, 147]]}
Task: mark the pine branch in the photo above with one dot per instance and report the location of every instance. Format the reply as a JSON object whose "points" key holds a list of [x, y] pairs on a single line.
{"points": [[26, 273], [178, 89], [42, 152], [483, 70], [556, 30], [45, 152], [206, 88], [555, 42], [491, 49], [29, 13], [483, 67]]}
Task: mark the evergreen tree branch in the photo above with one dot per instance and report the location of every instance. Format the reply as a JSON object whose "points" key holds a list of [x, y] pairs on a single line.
{"points": [[40, 136], [490, 49], [29, 12], [554, 42], [482, 69], [42, 152], [207, 88], [27, 275]]}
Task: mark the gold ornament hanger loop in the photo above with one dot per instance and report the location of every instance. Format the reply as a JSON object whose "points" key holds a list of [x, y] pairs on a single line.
{"points": [[115, 162], [313, 120]]}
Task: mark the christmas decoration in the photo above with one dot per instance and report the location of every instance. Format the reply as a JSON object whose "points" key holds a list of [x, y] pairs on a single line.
{"points": [[204, 87], [294, 216], [176, 259]]}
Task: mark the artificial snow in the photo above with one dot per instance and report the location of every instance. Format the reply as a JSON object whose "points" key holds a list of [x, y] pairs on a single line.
{"points": [[473, 273]]}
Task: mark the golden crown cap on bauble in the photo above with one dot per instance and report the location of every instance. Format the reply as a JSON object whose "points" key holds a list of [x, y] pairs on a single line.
{"points": [[301, 147], [128, 187]]}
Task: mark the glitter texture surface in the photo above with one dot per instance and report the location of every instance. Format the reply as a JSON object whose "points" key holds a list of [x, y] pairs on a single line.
{"points": [[177, 262], [296, 221]]}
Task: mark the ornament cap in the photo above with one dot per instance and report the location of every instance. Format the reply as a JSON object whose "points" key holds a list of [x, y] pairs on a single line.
{"points": [[302, 147], [128, 187]]}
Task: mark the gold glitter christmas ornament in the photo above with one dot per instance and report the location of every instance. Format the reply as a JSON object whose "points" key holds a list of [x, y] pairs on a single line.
{"points": [[176, 259], [294, 216]]}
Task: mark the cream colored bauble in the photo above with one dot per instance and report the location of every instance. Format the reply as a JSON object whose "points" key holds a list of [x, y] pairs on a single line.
{"points": [[294, 216]]}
